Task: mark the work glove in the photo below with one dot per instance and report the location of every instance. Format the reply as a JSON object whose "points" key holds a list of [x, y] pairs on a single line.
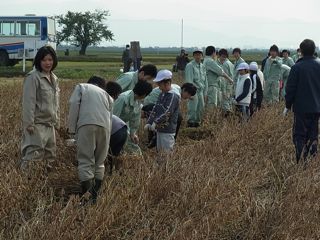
{"points": [[233, 101], [70, 142], [150, 127], [147, 127], [285, 112]]}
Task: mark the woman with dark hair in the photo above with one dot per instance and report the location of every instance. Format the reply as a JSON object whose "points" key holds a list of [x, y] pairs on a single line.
{"points": [[40, 109]]}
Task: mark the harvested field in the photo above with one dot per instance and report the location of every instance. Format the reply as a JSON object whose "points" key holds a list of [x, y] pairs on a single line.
{"points": [[226, 180]]}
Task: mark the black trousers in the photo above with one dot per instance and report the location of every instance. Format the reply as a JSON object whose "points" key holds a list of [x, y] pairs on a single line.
{"points": [[305, 134], [117, 141], [126, 66]]}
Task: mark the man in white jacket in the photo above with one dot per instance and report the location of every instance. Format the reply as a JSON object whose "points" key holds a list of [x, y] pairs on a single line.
{"points": [[90, 117]]}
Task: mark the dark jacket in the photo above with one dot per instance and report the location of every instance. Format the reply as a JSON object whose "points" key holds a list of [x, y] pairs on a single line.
{"points": [[126, 56], [165, 112], [303, 86]]}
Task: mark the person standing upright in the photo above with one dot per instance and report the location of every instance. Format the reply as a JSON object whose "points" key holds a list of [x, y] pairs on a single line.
{"points": [[196, 74], [181, 62], [272, 75], [226, 86], [297, 56], [303, 96], [243, 91], [238, 60], [40, 110], [214, 72], [286, 59], [126, 59]]}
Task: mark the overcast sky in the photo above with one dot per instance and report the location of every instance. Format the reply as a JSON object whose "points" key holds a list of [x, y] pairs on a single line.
{"points": [[228, 23]]}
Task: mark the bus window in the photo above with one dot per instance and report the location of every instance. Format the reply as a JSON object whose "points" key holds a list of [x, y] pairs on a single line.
{"points": [[7, 28], [21, 28], [33, 28]]}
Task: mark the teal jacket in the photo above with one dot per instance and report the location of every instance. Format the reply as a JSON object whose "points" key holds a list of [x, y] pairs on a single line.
{"points": [[129, 110], [227, 67], [128, 80], [152, 98], [288, 61], [196, 73], [213, 70], [272, 69]]}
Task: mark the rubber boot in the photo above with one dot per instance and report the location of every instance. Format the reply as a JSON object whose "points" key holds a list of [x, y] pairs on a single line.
{"points": [[110, 163], [95, 190], [86, 186]]}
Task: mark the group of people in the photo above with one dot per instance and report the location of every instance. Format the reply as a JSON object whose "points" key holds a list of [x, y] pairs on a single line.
{"points": [[131, 59], [222, 84], [104, 117]]}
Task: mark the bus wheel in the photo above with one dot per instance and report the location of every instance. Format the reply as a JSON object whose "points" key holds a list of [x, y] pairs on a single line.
{"points": [[4, 58]]}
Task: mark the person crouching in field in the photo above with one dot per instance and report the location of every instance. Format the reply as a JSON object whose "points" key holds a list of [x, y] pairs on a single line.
{"points": [[40, 109], [164, 116], [128, 80], [90, 117], [128, 108], [257, 88], [243, 91], [118, 131]]}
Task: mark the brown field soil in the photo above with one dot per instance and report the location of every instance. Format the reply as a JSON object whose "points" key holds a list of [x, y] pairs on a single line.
{"points": [[225, 180]]}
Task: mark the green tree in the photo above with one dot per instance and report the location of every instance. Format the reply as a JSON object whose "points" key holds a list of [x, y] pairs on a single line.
{"points": [[83, 29]]}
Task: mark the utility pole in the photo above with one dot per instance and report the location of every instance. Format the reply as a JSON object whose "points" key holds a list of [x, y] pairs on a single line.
{"points": [[181, 33]]}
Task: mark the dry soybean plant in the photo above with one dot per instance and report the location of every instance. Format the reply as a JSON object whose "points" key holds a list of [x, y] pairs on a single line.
{"points": [[225, 180]]}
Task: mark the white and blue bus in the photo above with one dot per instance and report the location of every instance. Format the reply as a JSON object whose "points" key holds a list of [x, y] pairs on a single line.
{"points": [[22, 36]]}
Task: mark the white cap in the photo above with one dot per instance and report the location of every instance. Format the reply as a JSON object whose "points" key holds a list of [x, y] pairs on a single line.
{"points": [[197, 49], [243, 66], [253, 66], [163, 75]]}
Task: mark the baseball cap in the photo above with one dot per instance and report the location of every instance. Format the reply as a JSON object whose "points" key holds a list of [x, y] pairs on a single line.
{"points": [[197, 49], [163, 75], [253, 66], [243, 66]]}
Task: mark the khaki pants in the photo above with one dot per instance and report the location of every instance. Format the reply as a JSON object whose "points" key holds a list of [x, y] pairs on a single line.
{"points": [[41, 145], [92, 150]]}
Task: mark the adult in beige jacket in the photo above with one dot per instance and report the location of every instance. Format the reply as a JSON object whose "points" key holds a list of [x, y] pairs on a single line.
{"points": [[40, 109], [90, 118]]}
